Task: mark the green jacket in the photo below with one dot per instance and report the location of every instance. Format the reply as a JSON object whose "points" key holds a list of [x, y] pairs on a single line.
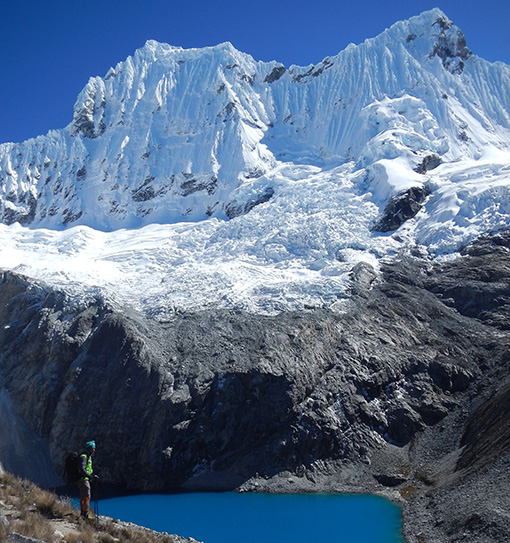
{"points": [[85, 467]]}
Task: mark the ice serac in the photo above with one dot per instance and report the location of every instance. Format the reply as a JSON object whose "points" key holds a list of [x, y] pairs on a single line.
{"points": [[170, 134]]}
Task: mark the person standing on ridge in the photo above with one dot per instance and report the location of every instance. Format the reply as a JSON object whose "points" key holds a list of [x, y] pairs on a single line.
{"points": [[86, 474]]}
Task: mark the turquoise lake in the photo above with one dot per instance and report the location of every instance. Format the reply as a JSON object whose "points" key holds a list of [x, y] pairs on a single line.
{"points": [[269, 518]]}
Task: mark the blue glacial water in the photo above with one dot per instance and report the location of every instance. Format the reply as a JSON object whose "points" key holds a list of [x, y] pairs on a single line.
{"points": [[263, 518]]}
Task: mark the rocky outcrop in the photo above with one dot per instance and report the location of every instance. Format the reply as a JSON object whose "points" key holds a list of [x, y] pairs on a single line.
{"points": [[486, 435], [275, 74], [400, 208], [401, 390], [451, 46], [428, 163], [235, 209]]}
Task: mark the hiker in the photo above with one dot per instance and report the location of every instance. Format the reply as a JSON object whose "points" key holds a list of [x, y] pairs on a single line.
{"points": [[86, 475]]}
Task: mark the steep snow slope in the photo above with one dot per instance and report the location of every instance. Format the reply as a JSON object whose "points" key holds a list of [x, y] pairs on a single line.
{"points": [[169, 134], [192, 178]]}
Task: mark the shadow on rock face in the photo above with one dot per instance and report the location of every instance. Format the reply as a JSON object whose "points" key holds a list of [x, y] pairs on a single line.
{"points": [[211, 398]]}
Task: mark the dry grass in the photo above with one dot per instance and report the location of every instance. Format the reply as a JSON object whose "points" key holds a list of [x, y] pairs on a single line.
{"points": [[116, 532], [81, 537], [4, 532], [107, 538], [34, 525], [32, 512], [50, 505], [407, 491]]}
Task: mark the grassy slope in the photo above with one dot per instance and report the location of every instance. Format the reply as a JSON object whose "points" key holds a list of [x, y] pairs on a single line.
{"points": [[30, 511]]}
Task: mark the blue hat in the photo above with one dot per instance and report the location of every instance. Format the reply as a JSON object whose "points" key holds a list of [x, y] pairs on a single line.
{"points": [[90, 445]]}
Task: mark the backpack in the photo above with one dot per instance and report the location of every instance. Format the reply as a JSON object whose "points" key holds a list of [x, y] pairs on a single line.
{"points": [[71, 470]]}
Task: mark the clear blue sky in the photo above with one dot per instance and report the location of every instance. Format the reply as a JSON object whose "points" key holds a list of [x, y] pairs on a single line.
{"points": [[49, 48]]}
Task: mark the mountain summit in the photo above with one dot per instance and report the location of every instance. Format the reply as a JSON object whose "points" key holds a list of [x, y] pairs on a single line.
{"points": [[269, 167]]}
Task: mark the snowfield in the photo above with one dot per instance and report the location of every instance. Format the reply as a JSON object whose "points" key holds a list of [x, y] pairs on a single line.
{"points": [[292, 253], [194, 179]]}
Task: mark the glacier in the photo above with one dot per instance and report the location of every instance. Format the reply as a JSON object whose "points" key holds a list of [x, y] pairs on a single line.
{"points": [[201, 178]]}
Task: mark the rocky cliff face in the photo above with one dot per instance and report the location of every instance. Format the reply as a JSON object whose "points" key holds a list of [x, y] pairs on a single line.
{"points": [[407, 383]]}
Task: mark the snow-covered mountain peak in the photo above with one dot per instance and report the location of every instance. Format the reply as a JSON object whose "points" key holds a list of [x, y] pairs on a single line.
{"points": [[272, 183], [432, 35], [155, 51]]}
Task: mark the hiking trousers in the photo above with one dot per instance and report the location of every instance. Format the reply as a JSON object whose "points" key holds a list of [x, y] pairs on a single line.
{"points": [[85, 495]]}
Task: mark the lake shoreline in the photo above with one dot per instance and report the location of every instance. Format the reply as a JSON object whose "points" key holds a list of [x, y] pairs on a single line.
{"points": [[284, 483], [438, 502], [272, 517]]}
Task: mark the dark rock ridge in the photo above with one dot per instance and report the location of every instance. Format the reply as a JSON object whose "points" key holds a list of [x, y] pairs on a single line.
{"points": [[405, 391], [428, 163], [401, 208], [487, 434], [275, 74], [234, 209], [451, 46]]}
